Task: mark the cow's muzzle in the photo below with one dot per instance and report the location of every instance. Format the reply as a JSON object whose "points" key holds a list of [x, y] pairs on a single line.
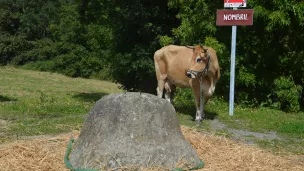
{"points": [[191, 74]]}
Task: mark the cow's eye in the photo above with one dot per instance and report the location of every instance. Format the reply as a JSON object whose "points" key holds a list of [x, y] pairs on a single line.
{"points": [[198, 60]]}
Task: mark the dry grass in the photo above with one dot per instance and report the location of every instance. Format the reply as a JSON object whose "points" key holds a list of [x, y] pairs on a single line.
{"points": [[217, 152], [41, 154], [222, 154]]}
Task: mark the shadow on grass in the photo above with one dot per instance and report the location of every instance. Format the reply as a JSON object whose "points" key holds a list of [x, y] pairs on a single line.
{"points": [[89, 97], [6, 99], [188, 109]]}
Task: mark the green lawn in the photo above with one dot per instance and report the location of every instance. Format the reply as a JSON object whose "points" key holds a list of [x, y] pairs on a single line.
{"points": [[38, 103], [289, 127]]}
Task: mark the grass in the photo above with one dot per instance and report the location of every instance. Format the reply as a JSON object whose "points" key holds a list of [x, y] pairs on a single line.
{"points": [[39, 103], [261, 119], [288, 126]]}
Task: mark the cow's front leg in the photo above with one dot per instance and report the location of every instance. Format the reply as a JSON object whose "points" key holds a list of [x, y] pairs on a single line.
{"points": [[199, 109], [200, 115]]}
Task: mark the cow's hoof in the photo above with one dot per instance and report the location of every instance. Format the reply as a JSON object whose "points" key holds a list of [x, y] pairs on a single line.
{"points": [[198, 122]]}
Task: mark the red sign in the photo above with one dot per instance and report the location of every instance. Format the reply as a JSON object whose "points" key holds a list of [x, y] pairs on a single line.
{"points": [[235, 3], [241, 17]]}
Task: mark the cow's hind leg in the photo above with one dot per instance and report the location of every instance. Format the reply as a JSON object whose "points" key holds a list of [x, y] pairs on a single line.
{"points": [[173, 88], [161, 76], [170, 88], [160, 88]]}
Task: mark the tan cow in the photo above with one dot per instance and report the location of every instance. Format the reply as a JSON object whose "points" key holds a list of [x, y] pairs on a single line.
{"points": [[185, 67]]}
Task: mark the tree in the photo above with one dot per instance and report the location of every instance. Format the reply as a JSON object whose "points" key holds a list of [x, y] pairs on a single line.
{"points": [[136, 28], [269, 49]]}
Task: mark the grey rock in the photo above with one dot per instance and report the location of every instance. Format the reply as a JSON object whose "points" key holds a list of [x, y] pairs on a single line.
{"points": [[132, 130]]}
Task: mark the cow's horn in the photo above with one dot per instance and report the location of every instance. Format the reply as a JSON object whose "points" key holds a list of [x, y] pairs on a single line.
{"points": [[204, 47]]}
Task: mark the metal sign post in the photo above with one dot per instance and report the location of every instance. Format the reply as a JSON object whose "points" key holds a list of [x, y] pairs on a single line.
{"points": [[232, 70], [233, 18]]}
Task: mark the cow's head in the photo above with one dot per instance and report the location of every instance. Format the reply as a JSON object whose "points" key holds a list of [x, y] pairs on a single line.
{"points": [[200, 62]]}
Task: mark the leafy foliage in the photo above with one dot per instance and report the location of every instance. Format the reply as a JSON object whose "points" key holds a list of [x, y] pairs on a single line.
{"points": [[265, 51], [137, 26], [11, 46], [116, 40], [286, 95]]}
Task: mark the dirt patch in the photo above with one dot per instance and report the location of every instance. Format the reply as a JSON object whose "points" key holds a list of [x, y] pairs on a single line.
{"points": [[246, 136], [3, 124], [3, 127], [217, 152]]}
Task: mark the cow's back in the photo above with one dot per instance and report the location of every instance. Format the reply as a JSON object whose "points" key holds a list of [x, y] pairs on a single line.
{"points": [[172, 62]]}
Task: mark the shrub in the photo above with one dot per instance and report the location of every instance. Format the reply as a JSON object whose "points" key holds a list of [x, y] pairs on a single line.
{"points": [[285, 94], [184, 96], [165, 40], [11, 46], [41, 50]]}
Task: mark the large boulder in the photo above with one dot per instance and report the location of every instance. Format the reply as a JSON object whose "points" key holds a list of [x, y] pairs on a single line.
{"points": [[128, 130]]}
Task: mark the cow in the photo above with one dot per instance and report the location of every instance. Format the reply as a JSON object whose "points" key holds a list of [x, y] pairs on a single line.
{"points": [[192, 67]]}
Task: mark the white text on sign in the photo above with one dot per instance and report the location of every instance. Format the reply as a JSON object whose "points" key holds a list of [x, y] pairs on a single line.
{"points": [[242, 17], [235, 16]]}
